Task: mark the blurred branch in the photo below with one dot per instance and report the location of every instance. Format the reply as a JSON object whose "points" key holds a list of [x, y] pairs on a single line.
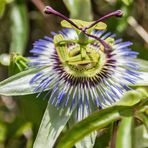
{"points": [[39, 4], [138, 28]]}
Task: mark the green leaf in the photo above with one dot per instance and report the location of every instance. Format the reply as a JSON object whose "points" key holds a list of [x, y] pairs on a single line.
{"points": [[19, 27], [51, 126], [79, 9], [94, 122], [125, 133], [19, 84]]}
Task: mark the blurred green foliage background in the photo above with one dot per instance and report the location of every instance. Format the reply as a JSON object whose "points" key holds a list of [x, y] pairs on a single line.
{"points": [[22, 22]]}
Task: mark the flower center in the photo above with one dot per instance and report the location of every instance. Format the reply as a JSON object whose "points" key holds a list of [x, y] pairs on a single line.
{"points": [[81, 60]]}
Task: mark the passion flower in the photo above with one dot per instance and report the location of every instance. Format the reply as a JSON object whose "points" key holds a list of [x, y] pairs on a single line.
{"points": [[84, 65]]}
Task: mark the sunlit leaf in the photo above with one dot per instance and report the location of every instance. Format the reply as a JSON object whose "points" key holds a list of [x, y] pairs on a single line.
{"points": [[51, 126], [18, 84]]}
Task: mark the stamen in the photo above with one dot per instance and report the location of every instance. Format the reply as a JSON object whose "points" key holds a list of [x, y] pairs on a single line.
{"points": [[117, 13], [50, 10]]}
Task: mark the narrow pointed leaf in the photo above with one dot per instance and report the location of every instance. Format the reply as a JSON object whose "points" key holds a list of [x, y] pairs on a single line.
{"points": [[51, 126], [18, 84]]}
